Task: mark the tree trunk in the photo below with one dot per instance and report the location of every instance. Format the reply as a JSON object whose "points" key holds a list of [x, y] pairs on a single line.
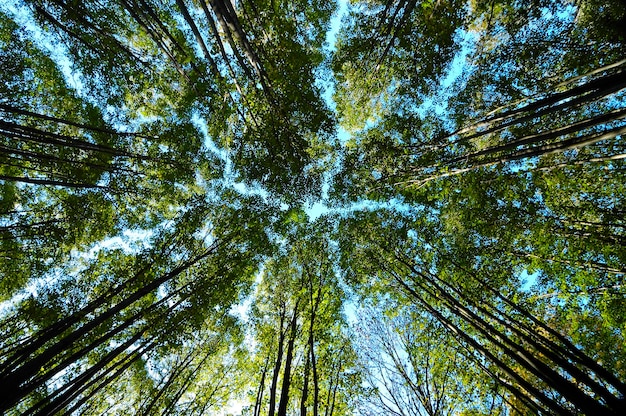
{"points": [[514, 350], [305, 385], [284, 393], [278, 363], [259, 396], [14, 376]]}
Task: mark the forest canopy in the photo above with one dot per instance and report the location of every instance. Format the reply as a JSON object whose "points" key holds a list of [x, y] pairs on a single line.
{"points": [[373, 207]]}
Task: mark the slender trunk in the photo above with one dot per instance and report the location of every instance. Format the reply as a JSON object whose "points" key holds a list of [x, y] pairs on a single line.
{"points": [[228, 29], [150, 30], [516, 350], [568, 349], [16, 375], [35, 135], [588, 92], [48, 407], [259, 396], [153, 18], [333, 386], [332, 402], [79, 16], [226, 59], [396, 30], [476, 346], [305, 385], [314, 302], [172, 377], [284, 393], [547, 149], [197, 34], [37, 224], [10, 109], [278, 363], [586, 265], [51, 19], [34, 342], [519, 353], [614, 115], [227, 15], [316, 380], [316, 383], [562, 84], [222, 382], [28, 385], [137, 354], [51, 182], [40, 159], [516, 392], [542, 345], [38, 340]]}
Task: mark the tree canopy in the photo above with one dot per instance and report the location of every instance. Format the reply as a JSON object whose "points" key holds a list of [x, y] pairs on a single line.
{"points": [[254, 207]]}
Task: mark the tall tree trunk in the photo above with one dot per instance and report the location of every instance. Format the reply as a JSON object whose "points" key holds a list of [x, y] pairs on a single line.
{"points": [[21, 367], [284, 393], [14, 110], [305, 385], [588, 92], [278, 362], [259, 396], [49, 407], [431, 285], [478, 347], [28, 385], [196, 32]]}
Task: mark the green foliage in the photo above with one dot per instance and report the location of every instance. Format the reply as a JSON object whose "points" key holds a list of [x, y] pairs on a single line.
{"points": [[157, 255]]}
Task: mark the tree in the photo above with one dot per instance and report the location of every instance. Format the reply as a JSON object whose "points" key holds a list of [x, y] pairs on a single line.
{"points": [[303, 359], [70, 178], [518, 349], [161, 162], [137, 302], [414, 367]]}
